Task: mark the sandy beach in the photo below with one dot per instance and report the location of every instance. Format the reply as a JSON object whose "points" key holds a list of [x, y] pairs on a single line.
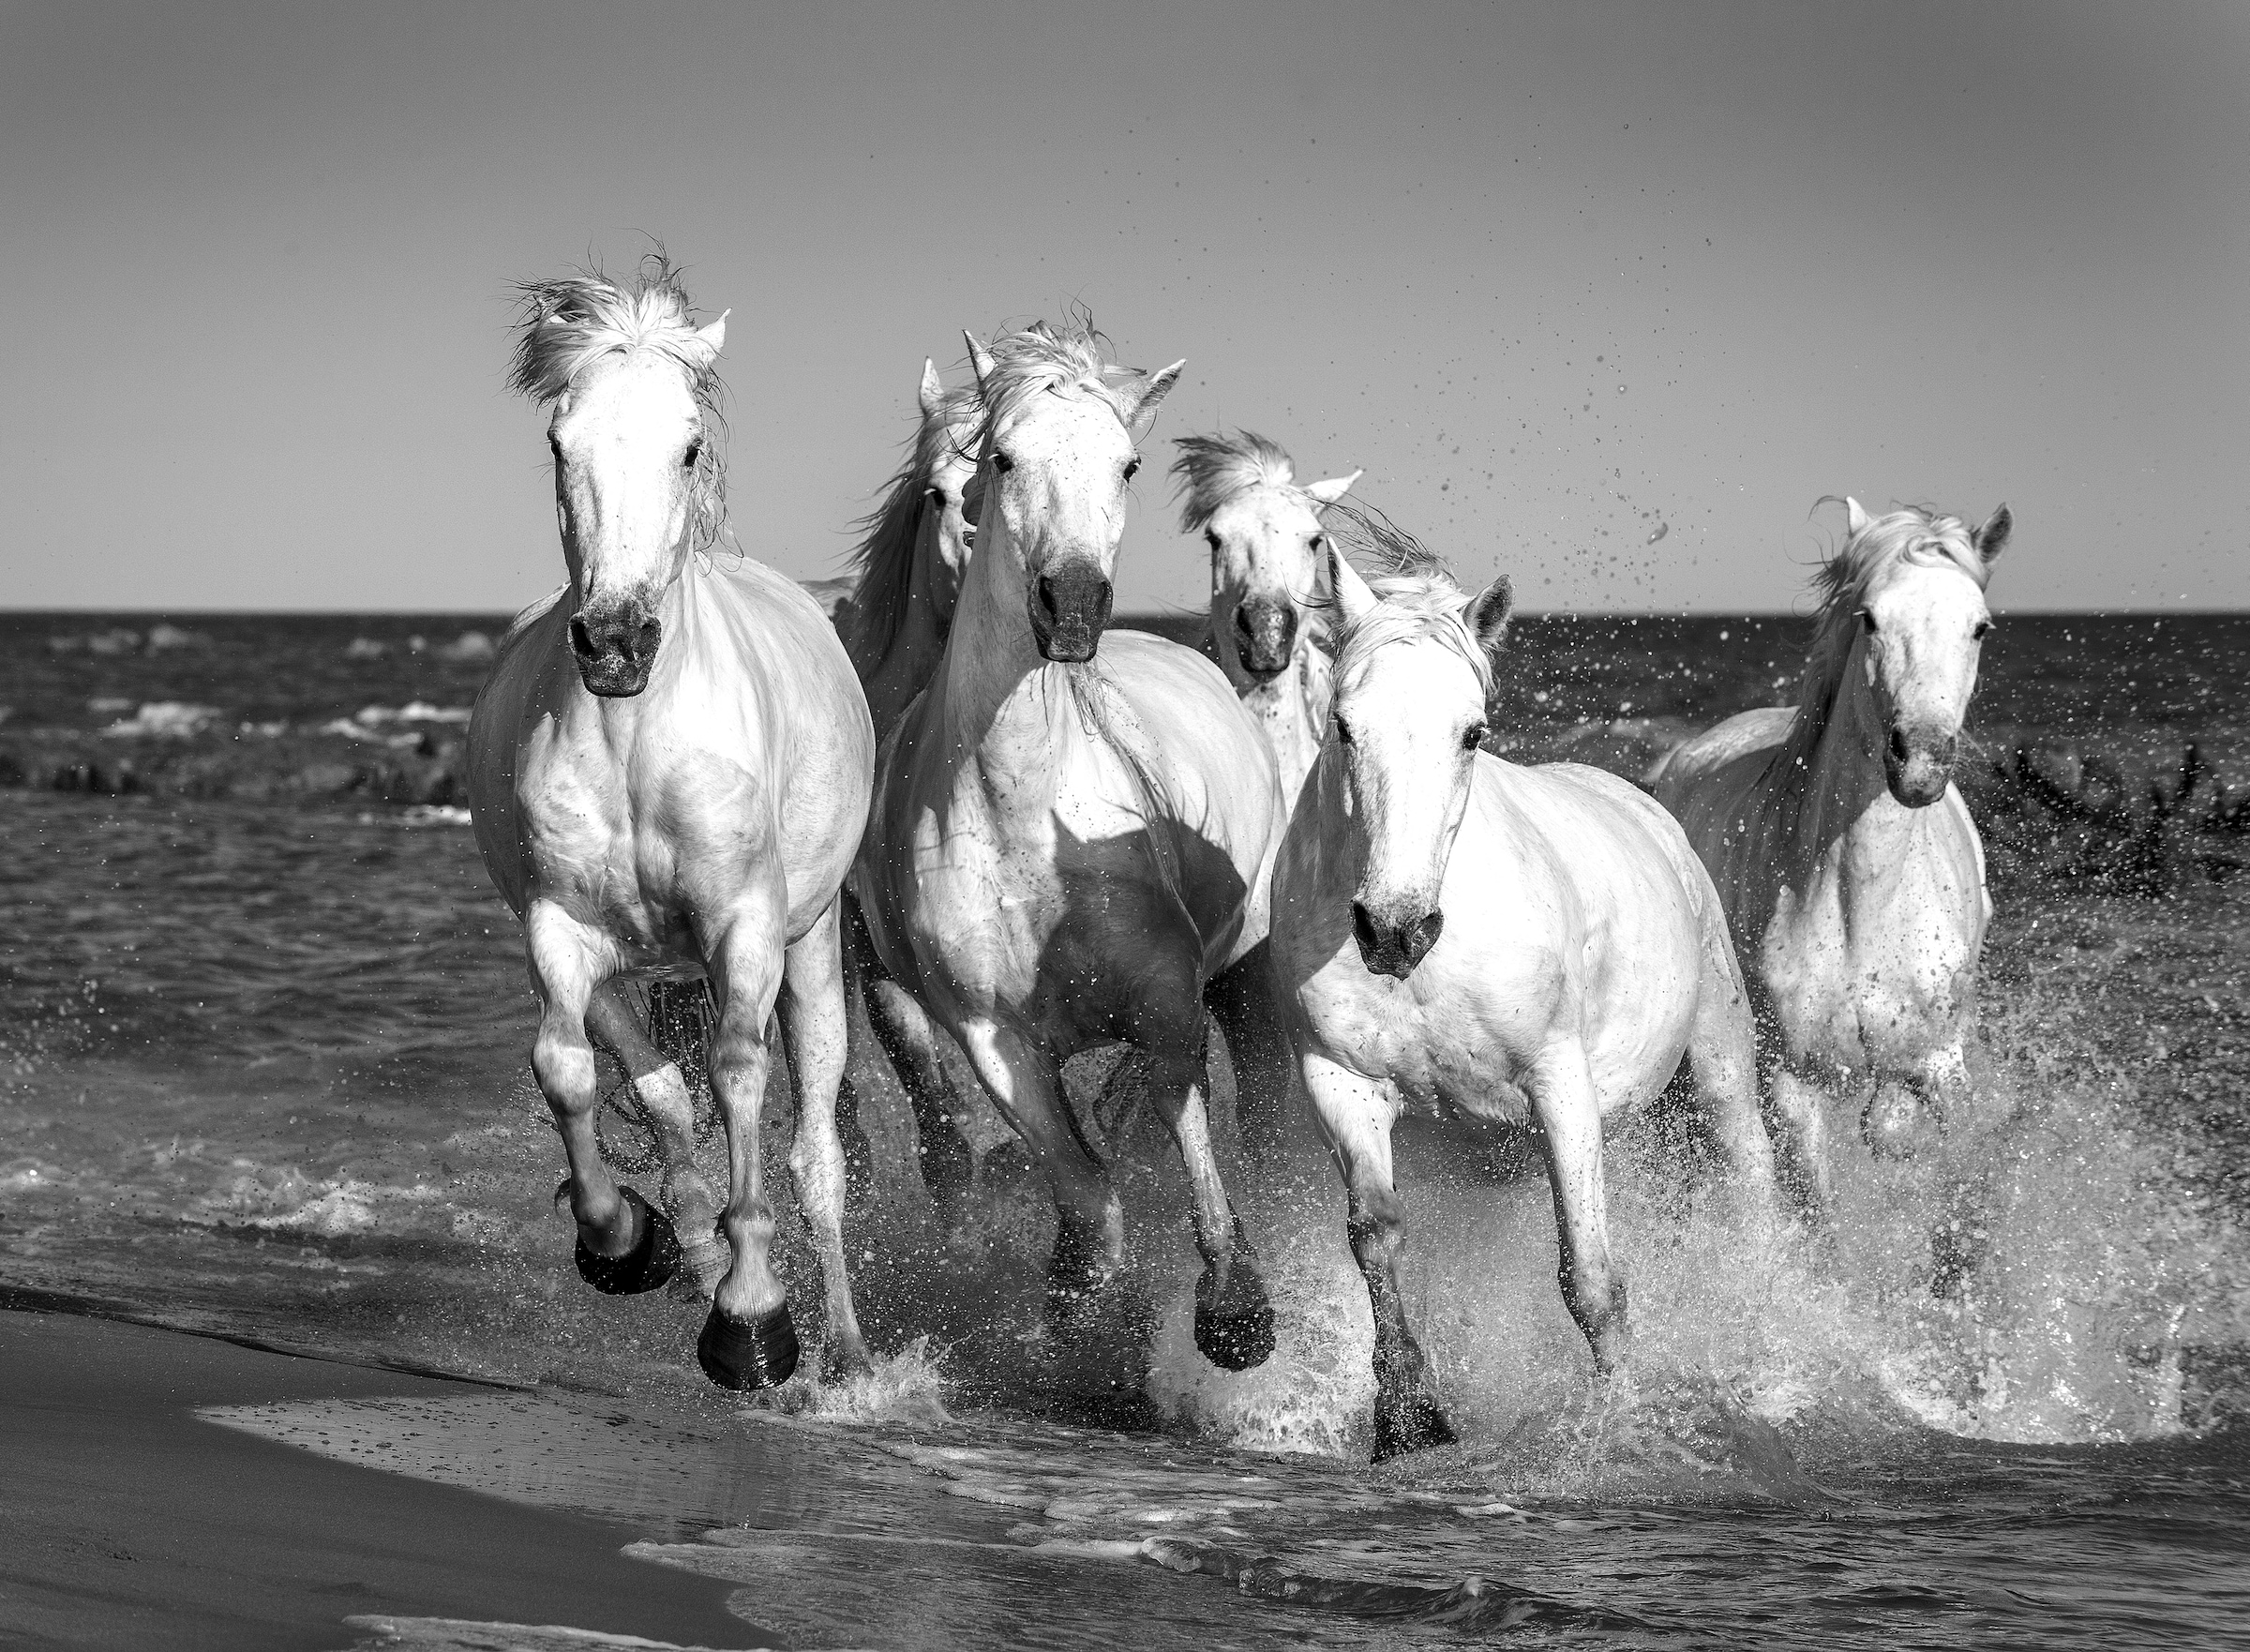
{"points": [[131, 1519]]}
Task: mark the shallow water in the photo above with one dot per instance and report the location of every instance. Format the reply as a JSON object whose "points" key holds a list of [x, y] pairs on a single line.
{"points": [[263, 1060]]}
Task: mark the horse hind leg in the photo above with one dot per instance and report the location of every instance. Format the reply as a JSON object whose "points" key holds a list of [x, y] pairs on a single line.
{"points": [[1801, 1127], [1722, 1054], [813, 1023], [624, 1245], [1355, 1115], [909, 1038], [1904, 1109], [1567, 1111], [1234, 1317], [692, 1203]]}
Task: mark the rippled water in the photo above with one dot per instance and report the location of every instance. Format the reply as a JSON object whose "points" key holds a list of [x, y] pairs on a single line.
{"points": [[263, 1056]]}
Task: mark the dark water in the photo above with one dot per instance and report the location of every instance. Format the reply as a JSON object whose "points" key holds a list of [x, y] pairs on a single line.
{"points": [[262, 1068]]}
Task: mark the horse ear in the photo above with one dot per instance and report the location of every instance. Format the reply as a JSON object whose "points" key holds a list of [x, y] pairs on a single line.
{"points": [[713, 338], [1992, 538], [933, 390], [1856, 518], [1353, 595], [1152, 391], [1335, 488], [979, 358], [1487, 613]]}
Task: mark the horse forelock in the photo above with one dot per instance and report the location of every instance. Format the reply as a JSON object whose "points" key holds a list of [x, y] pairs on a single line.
{"points": [[1420, 606], [569, 322], [884, 561], [1066, 360], [1917, 536], [1212, 471]]}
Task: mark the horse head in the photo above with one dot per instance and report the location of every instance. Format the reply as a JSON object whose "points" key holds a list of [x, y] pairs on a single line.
{"points": [[1413, 674]]}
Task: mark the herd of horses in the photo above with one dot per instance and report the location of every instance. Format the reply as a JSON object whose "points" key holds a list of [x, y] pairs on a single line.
{"points": [[955, 791]]}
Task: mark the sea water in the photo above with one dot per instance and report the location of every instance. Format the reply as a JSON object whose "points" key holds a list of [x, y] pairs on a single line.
{"points": [[263, 1048]]}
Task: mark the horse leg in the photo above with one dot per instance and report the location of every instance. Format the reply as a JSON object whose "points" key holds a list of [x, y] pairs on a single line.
{"points": [[1024, 1082], [1722, 1053], [1904, 1107], [1794, 1103], [747, 1340], [910, 1040], [1241, 1002], [812, 1034], [623, 1246], [1233, 1320], [687, 1196], [1355, 1115], [1567, 1111]]}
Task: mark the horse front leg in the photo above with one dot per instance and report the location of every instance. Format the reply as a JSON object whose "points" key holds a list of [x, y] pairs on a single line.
{"points": [[1567, 1111], [687, 1196], [748, 1340], [1793, 1100], [1722, 1054], [624, 1246], [1234, 1317], [813, 1037], [1241, 1000], [1024, 1082], [1355, 1116]]}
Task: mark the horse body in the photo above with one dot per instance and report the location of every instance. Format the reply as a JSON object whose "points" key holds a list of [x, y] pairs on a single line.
{"points": [[1063, 850], [1852, 872], [1452, 932], [668, 772]]}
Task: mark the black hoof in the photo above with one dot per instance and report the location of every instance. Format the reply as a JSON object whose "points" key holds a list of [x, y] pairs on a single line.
{"points": [[1415, 1426], [1234, 1324], [747, 1353], [652, 1260]]}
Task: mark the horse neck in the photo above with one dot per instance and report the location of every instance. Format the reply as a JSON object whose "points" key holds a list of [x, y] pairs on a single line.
{"points": [[1291, 711], [1000, 698], [1832, 785], [917, 648]]}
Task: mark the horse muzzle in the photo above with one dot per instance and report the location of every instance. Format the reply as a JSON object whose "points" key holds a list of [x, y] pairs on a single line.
{"points": [[1069, 607], [615, 645], [1265, 636], [1917, 765], [1393, 944]]}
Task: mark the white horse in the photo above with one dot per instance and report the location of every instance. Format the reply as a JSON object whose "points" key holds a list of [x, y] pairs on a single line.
{"points": [[1537, 946], [1268, 621], [669, 770], [1852, 874], [1063, 850]]}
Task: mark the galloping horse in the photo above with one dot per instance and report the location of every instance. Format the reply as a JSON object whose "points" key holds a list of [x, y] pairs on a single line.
{"points": [[1062, 849], [1452, 931], [669, 772], [1852, 874], [1268, 613]]}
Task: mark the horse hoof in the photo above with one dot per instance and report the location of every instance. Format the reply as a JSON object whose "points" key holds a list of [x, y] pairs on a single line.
{"points": [[1415, 1426], [1236, 1341], [744, 1355], [653, 1259]]}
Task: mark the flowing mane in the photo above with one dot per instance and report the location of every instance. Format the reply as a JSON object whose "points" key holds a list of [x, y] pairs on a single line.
{"points": [[1420, 595], [1916, 535], [571, 321], [1212, 470], [883, 565]]}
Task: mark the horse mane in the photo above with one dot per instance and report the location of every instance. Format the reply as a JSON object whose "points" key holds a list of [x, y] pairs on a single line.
{"points": [[1916, 535], [1061, 357], [883, 565], [1212, 470], [1419, 596], [568, 321]]}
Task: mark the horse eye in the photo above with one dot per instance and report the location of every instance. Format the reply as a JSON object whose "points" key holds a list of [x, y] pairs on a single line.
{"points": [[1002, 462], [1866, 622], [1316, 542], [1132, 467], [1210, 538], [1983, 629], [695, 452], [1474, 735], [1344, 731]]}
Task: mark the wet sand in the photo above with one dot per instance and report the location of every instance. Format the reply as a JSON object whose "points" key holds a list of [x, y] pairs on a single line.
{"points": [[128, 1520]]}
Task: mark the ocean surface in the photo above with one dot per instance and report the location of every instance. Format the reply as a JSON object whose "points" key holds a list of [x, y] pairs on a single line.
{"points": [[263, 1070]]}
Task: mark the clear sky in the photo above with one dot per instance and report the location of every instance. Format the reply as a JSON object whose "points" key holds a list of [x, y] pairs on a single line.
{"points": [[1554, 274]]}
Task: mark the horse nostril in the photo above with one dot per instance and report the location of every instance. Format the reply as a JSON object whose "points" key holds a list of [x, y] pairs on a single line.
{"points": [[1422, 934], [644, 645], [1364, 927], [1898, 744], [1045, 591], [581, 639], [1242, 625]]}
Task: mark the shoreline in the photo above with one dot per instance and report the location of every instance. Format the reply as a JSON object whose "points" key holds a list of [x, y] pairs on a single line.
{"points": [[132, 1518]]}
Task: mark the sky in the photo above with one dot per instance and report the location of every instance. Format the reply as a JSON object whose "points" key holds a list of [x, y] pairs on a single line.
{"points": [[1557, 275]]}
